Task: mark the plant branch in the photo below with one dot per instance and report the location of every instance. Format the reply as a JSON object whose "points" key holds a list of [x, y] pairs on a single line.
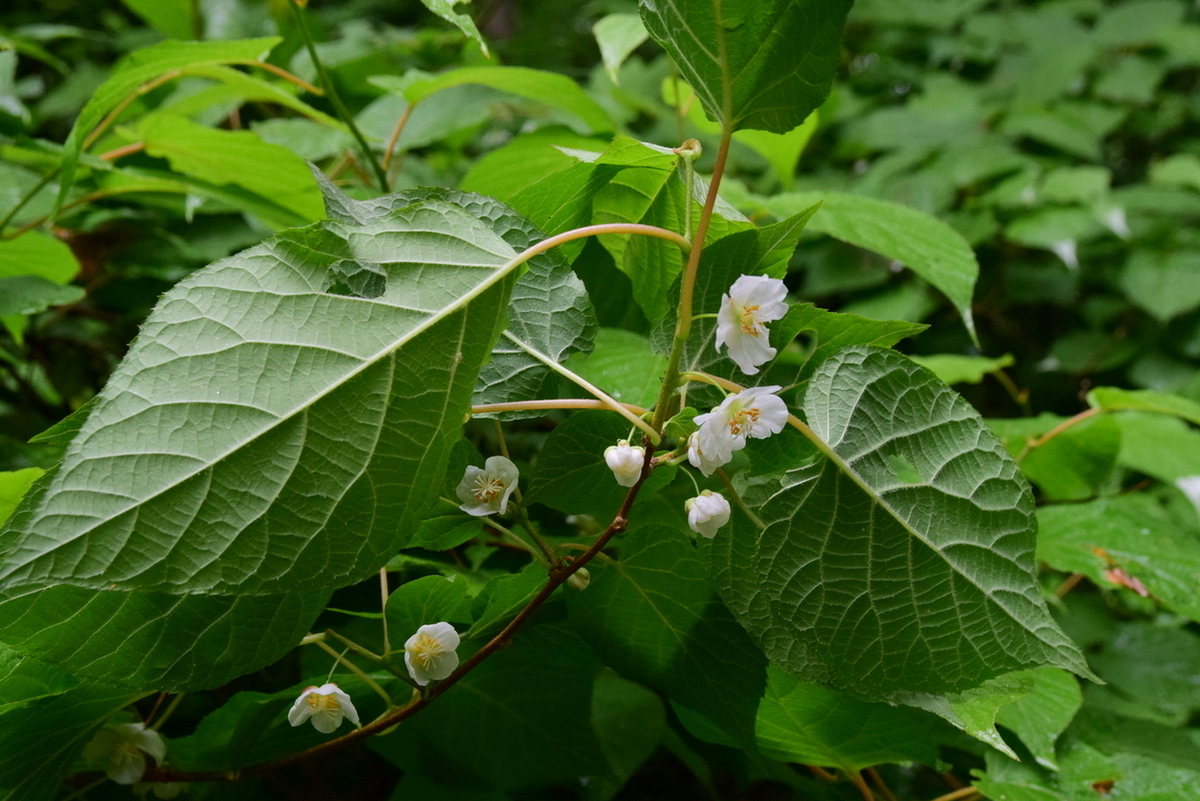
{"points": [[683, 326], [1054, 432], [563, 403], [395, 137], [334, 97], [962, 792], [356, 670], [558, 575]]}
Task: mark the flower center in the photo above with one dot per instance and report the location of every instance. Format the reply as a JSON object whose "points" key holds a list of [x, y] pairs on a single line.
{"points": [[742, 419], [425, 649], [748, 320], [488, 489], [324, 703]]}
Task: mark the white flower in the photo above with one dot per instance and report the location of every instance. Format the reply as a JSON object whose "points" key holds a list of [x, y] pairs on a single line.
{"points": [[326, 705], [486, 491], [625, 461], [754, 412], [121, 750], [752, 301], [430, 653], [701, 460], [707, 512]]}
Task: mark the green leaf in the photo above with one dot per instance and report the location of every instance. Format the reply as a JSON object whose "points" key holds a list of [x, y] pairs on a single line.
{"points": [[1164, 284], [1077, 463], [954, 368], [974, 710], [550, 88], [13, 486], [571, 475], [517, 720], [929, 247], [864, 582], [1158, 445], [526, 159], [155, 639], [1127, 533], [781, 151], [1151, 671], [502, 598], [143, 66], [629, 721], [622, 365], [1039, 717], [35, 253], [1181, 169], [174, 19], [1114, 399], [765, 65], [431, 599], [618, 35], [445, 10], [324, 397], [30, 294], [42, 740], [807, 723], [549, 318], [832, 331], [233, 157], [25, 679], [655, 618]]}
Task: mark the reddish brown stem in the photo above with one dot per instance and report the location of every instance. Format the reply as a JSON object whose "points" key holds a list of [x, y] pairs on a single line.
{"points": [[558, 575]]}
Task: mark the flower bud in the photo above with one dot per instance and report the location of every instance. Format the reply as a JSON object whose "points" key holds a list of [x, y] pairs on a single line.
{"points": [[707, 512], [580, 579], [625, 461]]}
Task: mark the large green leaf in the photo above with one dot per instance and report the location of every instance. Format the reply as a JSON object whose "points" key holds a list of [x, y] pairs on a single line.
{"points": [[762, 65], [264, 431], [929, 247], [901, 559], [655, 617]]}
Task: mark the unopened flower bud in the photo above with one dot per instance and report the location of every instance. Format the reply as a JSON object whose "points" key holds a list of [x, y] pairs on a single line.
{"points": [[625, 461], [707, 512], [580, 579]]}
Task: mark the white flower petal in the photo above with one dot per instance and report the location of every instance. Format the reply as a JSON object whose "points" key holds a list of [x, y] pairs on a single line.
{"points": [[325, 706], [751, 302], [754, 412], [486, 491], [430, 654]]}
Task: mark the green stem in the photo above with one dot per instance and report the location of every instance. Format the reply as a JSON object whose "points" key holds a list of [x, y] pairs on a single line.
{"points": [[683, 326], [335, 98], [357, 671], [546, 556]]}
